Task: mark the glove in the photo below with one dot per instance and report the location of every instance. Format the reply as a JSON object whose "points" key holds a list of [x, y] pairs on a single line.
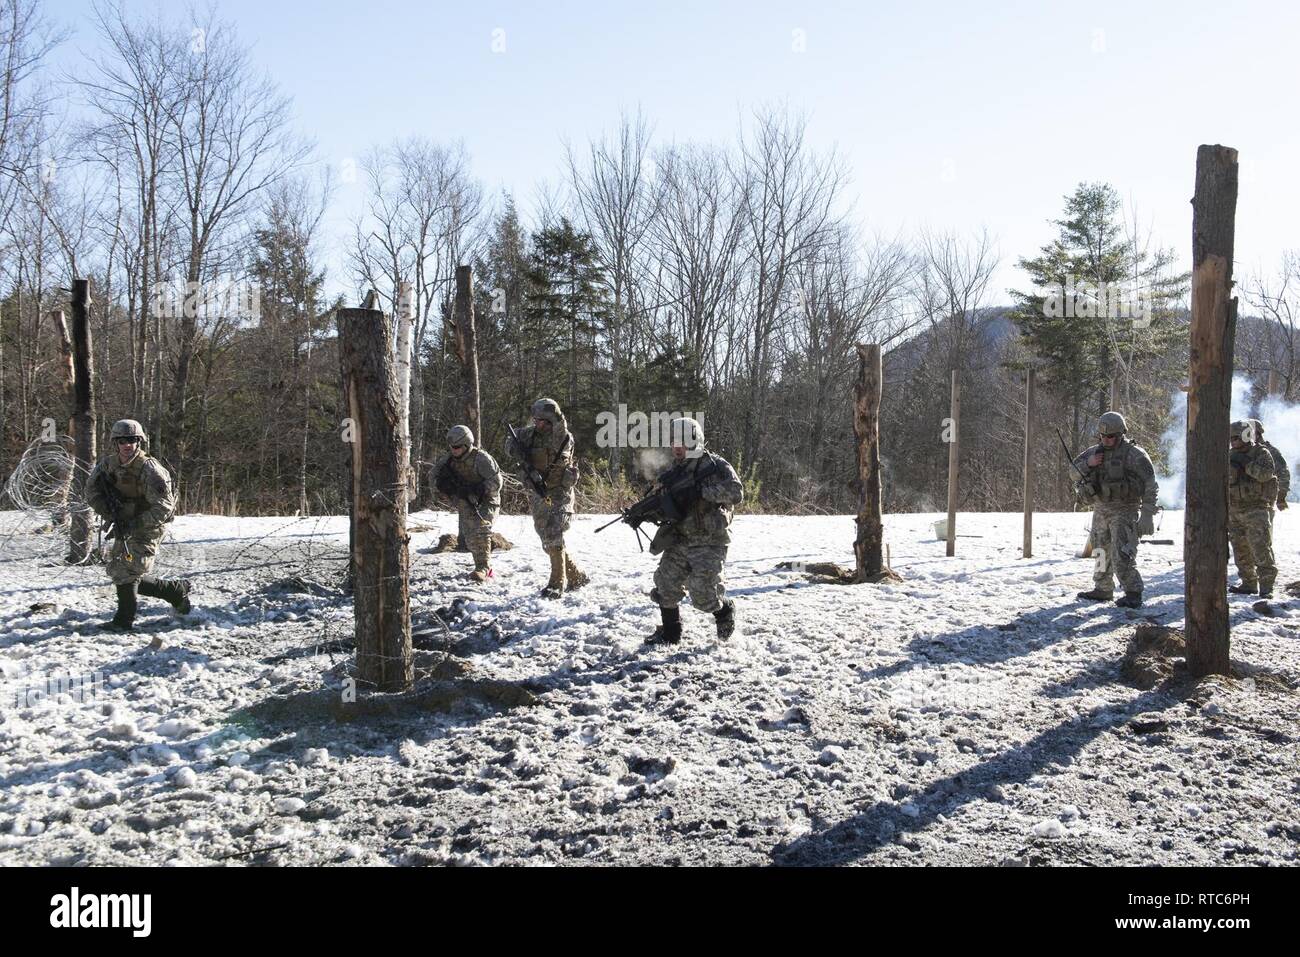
{"points": [[446, 483], [1238, 460], [1146, 524]]}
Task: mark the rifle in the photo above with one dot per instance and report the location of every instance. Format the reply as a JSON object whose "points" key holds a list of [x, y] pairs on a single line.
{"points": [[668, 500], [118, 527], [453, 486], [531, 475]]}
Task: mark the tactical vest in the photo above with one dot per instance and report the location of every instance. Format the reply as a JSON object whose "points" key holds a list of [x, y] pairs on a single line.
{"points": [[1250, 493], [1118, 486], [547, 461]]}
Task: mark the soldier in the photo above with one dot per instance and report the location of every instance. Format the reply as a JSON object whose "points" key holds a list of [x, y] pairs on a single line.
{"points": [[694, 547], [1252, 490], [470, 478], [546, 450], [134, 492], [1281, 471], [1118, 479]]}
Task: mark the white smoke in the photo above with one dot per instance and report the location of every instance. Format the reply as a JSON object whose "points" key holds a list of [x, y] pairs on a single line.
{"points": [[1281, 427], [651, 462]]}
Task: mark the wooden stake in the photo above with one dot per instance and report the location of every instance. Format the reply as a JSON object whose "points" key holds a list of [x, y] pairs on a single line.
{"points": [[83, 422], [380, 559], [1028, 549], [405, 316], [953, 449], [1213, 332], [866, 429], [467, 347]]}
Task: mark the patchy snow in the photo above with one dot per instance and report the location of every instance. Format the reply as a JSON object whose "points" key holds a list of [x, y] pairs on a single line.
{"points": [[971, 714]]}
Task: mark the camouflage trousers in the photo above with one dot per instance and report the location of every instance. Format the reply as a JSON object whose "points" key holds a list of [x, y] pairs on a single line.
{"points": [[693, 568], [1114, 549], [476, 533], [132, 558], [551, 521], [1251, 533]]}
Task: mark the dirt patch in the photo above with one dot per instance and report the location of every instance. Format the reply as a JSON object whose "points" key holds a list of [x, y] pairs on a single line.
{"points": [[838, 574], [1155, 655], [451, 543]]}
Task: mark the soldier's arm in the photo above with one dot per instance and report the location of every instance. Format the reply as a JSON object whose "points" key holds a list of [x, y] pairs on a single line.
{"points": [[1259, 465], [1282, 471], [1081, 461], [1150, 487], [94, 494], [723, 486], [158, 495], [516, 449], [568, 472], [489, 472]]}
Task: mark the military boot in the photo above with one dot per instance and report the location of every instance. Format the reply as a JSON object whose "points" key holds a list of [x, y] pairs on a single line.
{"points": [[726, 619], [670, 632], [555, 586], [1245, 588], [1096, 594], [1131, 599], [124, 619], [482, 569], [175, 591]]}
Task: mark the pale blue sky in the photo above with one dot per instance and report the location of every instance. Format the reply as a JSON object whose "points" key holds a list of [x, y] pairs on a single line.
{"points": [[955, 115]]}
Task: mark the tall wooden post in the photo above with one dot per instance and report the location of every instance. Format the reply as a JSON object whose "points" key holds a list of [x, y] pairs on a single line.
{"points": [[953, 450], [1028, 550], [1209, 399], [405, 316], [1274, 382], [83, 423], [380, 558], [467, 345], [866, 429]]}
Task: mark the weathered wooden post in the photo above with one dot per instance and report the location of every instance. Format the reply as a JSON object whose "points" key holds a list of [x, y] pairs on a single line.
{"points": [[467, 345], [953, 450], [404, 313], [1274, 383], [380, 560], [83, 412], [1028, 550], [866, 429], [1209, 399]]}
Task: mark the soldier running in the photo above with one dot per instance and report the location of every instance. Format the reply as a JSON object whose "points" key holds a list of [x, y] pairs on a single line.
{"points": [[133, 491], [694, 547], [1252, 490], [549, 474], [1118, 479], [470, 478]]}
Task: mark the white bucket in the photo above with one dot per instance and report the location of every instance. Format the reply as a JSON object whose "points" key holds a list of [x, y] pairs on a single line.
{"points": [[941, 530]]}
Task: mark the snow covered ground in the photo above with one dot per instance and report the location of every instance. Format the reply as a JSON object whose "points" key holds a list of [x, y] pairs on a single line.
{"points": [[973, 714]]}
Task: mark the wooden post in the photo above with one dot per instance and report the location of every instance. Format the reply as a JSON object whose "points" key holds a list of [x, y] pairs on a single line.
{"points": [[1028, 550], [866, 429], [467, 346], [404, 313], [953, 449], [1274, 383], [83, 424], [380, 558], [1209, 397]]}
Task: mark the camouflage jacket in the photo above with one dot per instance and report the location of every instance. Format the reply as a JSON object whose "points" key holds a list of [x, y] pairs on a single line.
{"points": [[708, 520], [148, 502], [1124, 479], [1252, 483], [551, 453], [474, 467], [1281, 471]]}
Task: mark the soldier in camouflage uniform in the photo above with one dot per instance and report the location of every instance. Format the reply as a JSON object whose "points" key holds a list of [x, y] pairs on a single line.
{"points": [[1252, 490], [547, 448], [1120, 484], [1281, 471], [146, 505], [694, 548], [470, 478]]}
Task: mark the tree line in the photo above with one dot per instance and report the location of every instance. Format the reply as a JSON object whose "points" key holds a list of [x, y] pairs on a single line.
{"points": [[729, 278]]}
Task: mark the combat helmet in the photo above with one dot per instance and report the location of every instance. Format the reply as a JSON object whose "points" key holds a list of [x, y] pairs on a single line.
{"points": [[1112, 423], [460, 435], [128, 428]]}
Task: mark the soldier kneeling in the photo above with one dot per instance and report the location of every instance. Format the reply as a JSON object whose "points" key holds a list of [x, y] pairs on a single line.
{"points": [[694, 545], [470, 478], [134, 493]]}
